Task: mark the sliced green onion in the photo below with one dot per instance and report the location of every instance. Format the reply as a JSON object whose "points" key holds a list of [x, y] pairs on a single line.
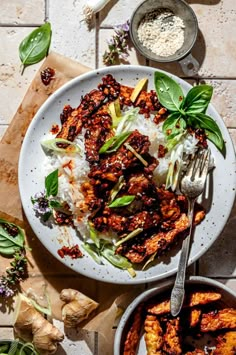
{"points": [[116, 259], [118, 186], [129, 236], [131, 272], [150, 259], [52, 144], [115, 112], [93, 251], [127, 120], [122, 201], [128, 146], [175, 166], [114, 143], [94, 235]]}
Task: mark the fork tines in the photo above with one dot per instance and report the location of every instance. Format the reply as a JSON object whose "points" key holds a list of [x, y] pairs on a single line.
{"points": [[198, 166]]}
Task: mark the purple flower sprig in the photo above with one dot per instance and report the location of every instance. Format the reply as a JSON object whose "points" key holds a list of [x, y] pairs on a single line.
{"points": [[14, 274], [43, 205], [117, 45]]}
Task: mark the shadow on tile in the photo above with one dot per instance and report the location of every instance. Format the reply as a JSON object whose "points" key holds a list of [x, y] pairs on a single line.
{"points": [[219, 260], [204, 2]]}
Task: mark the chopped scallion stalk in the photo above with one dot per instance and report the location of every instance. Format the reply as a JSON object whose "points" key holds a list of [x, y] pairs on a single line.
{"points": [[127, 120], [129, 236], [94, 235], [52, 144], [138, 156], [122, 201], [118, 186], [151, 259], [114, 143], [115, 113], [116, 259], [93, 251]]}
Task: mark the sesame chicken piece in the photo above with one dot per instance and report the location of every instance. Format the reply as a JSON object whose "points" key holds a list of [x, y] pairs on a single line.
{"points": [[226, 344], [133, 335], [172, 341], [193, 299], [153, 335], [194, 317], [223, 319]]}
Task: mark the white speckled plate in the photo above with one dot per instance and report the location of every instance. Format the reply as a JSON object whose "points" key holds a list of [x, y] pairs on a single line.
{"points": [[228, 299], [222, 181]]}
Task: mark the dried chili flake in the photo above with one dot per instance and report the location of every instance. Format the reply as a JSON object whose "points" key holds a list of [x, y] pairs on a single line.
{"points": [[55, 129], [47, 75], [73, 252]]}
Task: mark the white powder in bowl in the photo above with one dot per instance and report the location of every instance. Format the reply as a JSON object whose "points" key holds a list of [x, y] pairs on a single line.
{"points": [[162, 32]]}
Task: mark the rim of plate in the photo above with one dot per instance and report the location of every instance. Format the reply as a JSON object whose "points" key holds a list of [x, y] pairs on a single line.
{"points": [[85, 77]]}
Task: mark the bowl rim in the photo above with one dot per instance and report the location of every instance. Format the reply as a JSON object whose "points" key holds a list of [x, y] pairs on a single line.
{"points": [[162, 287], [160, 60]]}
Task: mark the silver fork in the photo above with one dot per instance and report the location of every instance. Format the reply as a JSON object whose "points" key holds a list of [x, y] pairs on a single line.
{"points": [[191, 185]]}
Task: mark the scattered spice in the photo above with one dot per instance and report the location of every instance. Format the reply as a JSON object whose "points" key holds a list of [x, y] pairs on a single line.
{"points": [[55, 129], [161, 151], [62, 218], [47, 75], [162, 32], [73, 252]]}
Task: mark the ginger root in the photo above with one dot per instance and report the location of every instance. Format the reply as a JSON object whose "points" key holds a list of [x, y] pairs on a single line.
{"points": [[77, 308], [31, 326]]}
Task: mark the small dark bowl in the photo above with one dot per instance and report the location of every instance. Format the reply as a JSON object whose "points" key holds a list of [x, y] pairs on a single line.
{"points": [[180, 9]]}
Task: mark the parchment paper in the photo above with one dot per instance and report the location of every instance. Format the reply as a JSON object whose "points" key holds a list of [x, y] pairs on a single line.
{"points": [[43, 268]]}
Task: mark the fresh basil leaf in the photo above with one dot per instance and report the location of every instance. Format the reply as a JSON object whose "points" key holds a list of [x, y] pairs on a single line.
{"points": [[8, 243], [51, 183], [169, 92], [211, 128], [197, 99], [54, 204], [35, 46], [174, 125], [122, 201], [46, 216], [115, 259], [170, 122], [175, 140], [114, 143]]}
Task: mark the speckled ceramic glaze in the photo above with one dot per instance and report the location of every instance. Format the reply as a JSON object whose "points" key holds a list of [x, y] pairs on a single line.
{"points": [[218, 199], [228, 300]]}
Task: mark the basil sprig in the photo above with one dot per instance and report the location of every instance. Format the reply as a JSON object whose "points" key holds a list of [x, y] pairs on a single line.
{"points": [[9, 244], [189, 111], [35, 46]]}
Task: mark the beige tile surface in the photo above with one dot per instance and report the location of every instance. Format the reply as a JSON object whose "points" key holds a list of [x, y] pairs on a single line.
{"points": [[104, 35], [215, 47], [224, 99], [13, 85], [219, 260], [22, 12], [70, 33], [232, 133], [117, 12]]}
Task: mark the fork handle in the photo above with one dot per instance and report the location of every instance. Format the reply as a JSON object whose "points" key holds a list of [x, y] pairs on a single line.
{"points": [[177, 294]]}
